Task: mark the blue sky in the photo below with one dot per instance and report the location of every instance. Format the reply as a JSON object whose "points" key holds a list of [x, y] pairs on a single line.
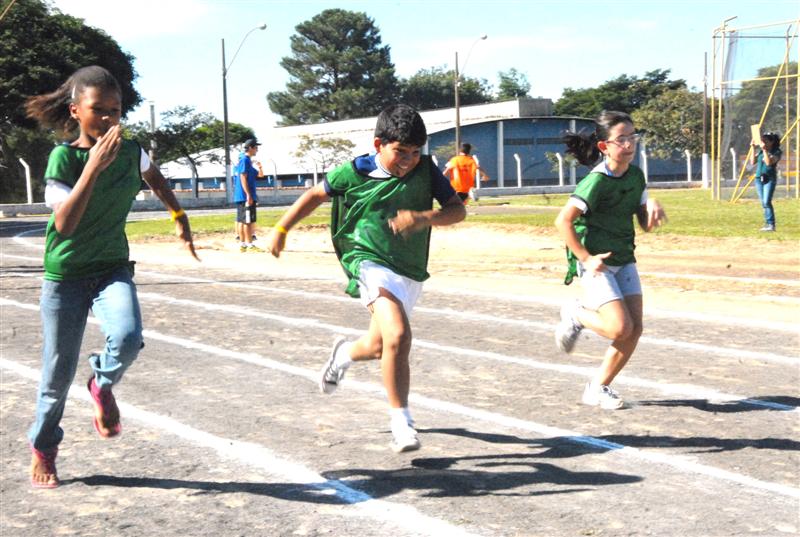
{"points": [[556, 44]]}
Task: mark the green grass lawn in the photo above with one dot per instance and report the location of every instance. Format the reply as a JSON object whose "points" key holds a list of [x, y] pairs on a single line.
{"points": [[690, 212]]}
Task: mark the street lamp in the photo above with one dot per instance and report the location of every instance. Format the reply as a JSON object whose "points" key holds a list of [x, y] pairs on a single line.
{"points": [[456, 84], [225, 69]]}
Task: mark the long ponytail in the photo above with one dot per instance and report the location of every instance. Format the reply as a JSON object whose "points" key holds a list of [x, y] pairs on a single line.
{"points": [[583, 145]]}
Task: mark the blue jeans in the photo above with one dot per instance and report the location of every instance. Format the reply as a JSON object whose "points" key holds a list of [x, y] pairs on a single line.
{"points": [[765, 192], [64, 308]]}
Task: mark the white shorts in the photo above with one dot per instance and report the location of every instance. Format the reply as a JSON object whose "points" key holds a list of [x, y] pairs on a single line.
{"points": [[374, 277], [614, 283]]}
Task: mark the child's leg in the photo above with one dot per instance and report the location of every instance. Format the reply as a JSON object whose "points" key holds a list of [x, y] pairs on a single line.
{"points": [[621, 349], [64, 308], [392, 324], [116, 306]]}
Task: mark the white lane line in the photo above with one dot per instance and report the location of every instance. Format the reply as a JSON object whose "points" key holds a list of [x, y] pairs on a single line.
{"points": [[686, 390], [728, 352], [277, 466], [790, 327], [679, 462], [683, 390]]}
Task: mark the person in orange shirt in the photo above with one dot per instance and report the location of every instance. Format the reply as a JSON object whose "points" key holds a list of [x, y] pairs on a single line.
{"points": [[461, 171]]}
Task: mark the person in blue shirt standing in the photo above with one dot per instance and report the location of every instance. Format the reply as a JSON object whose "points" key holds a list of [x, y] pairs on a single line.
{"points": [[245, 197], [765, 158]]}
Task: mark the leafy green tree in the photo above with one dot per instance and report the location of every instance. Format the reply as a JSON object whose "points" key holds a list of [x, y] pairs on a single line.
{"points": [[747, 105], [338, 70], [513, 85], [187, 135], [323, 151], [624, 93], [672, 122], [39, 49], [432, 89]]}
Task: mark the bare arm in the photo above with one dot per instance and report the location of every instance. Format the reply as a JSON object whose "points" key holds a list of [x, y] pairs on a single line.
{"points": [[408, 222], [69, 212], [160, 187], [769, 158], [304, 206], [651, 215]]}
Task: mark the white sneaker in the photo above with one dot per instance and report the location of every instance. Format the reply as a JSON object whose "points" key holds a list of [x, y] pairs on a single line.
{"points": [[602, 396], [331, 375], [404, 437], [568, 329]]}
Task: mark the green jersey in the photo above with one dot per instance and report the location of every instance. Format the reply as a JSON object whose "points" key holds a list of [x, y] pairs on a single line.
{"points": [[98, 245], [362, 206], [607, 223]]}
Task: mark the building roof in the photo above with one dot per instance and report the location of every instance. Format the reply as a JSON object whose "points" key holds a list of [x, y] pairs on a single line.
{"points": [[279, 144]]}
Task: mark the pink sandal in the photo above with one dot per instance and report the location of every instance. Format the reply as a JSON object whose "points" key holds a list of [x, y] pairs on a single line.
{"points": [[106, 406], [48, 460]]}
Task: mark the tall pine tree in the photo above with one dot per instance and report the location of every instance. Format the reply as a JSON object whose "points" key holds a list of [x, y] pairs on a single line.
{"points": [[338, 70]]}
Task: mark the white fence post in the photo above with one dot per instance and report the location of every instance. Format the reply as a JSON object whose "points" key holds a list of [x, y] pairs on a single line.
{"points": [[560, 169], [519, 170], [643, 161], [688, 165], [733, 163], [274, 177], [705, 169], [28, 180]]}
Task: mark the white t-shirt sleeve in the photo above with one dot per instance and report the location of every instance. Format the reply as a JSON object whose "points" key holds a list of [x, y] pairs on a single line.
{"points": [[579, 203], [144, 162], [55, 193], [643, 200]]}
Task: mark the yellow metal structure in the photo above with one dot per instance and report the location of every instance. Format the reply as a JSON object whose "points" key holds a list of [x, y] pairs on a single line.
{"points": [[722, 45]]}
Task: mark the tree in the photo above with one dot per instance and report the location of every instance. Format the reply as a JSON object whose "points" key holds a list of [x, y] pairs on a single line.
{"points": [[338, 70], [746, 107], [672, 123], [324, 152], [624, 94], [513, 85], [432, 89], [187, 136], [39, 49]]}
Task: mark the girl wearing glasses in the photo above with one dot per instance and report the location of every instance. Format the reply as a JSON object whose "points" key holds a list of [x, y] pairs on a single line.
{"points": [[597, 225]]}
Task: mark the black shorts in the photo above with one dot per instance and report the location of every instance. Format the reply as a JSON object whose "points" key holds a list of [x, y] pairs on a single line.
{"points": [[245, 214], [463, 195]]}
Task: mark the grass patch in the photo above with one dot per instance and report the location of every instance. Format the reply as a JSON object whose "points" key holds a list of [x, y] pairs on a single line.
{"points": [[690, 212]]}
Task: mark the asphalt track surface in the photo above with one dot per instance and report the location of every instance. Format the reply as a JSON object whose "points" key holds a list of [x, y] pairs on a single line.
{"points": [[225, 433]]}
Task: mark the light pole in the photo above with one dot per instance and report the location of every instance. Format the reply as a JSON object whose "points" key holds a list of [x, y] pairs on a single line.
{"points": [[456, 84], [225, 68]]}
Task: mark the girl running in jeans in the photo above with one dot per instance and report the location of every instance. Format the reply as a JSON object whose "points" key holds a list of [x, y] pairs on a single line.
{"points": [[597, 225], [91, 185]]}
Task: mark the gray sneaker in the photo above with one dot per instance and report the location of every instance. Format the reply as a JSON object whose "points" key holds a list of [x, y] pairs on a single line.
{"points": [[568, 329], [768, 227], [330, 376]]}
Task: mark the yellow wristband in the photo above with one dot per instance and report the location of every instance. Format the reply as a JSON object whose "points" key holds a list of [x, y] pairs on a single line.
{"points": [[174, 215], [280, 229]]}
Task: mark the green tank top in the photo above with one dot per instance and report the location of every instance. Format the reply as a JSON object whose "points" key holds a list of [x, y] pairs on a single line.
{"points": [[98, 245], [359, 221]]}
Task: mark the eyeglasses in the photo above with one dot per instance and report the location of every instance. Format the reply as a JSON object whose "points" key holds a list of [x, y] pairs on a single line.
{"points": [[623, 141]]}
